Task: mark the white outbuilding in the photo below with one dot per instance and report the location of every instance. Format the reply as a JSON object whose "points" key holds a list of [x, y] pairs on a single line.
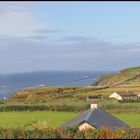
{"points": [[124, 96]]}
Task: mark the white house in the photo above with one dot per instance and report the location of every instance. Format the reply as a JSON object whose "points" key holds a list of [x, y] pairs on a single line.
{"points": [[116, 96], [124, 96]]}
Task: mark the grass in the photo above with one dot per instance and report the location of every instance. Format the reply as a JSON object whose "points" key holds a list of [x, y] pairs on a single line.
{"points": [[19, 119], [54, 119], [132, 119], [137, 104]]}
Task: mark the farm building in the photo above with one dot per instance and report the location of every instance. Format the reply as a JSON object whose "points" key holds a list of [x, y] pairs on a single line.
{"points": [[95, 118], [94, 97], [124, 96]]}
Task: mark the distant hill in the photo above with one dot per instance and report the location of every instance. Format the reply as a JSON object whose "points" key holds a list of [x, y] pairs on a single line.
{"points": [[43, 94], [130, 76]]}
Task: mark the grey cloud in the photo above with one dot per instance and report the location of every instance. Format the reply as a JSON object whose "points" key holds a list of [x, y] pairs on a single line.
{"points": [[38, 37], [8, 41], [76, 38], [28, 55], [45, 31]]}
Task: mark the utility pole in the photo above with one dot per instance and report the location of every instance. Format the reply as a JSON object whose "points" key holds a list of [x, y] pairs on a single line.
{"points": [[4, 89]]}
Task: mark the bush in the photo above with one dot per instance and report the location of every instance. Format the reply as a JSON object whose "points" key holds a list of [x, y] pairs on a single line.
{"points": [[115, 106], [49, 107], [129, 101], [57, 133]]}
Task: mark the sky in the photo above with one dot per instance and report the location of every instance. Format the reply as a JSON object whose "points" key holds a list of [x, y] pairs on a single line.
{"points": [[69, 36]]}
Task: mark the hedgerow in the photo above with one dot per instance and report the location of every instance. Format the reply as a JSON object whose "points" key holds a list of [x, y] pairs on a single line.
{"points": [[72, 133]]}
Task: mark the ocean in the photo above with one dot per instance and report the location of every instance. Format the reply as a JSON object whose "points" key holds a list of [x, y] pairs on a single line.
{"points": [[10, 83]]}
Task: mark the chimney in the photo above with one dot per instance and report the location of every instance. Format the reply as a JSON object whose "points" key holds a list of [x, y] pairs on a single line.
{"points": [[93, 105]]}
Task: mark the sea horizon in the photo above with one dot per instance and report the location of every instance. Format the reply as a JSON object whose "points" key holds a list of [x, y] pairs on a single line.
{"points": [[18, 81]]}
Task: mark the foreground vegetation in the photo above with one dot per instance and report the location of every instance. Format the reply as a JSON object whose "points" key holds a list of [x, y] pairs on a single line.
{"points": [[57, 133]]}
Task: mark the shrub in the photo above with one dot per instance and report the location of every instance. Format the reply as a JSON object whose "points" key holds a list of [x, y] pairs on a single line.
{"points": [[45, 107], [72, 133], [115, 106]]}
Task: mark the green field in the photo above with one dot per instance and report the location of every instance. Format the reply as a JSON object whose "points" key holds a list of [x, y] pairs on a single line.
{"points": [[19, 119], [54, 119], [132, 119]]}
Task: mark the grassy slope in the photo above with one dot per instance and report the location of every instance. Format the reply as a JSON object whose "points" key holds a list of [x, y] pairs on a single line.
{"points": [[120, 77], [45, 94], [109, 91]]}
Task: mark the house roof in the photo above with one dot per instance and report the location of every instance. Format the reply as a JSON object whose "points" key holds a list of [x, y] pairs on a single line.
{"points": [[97, 118], [126, 94]]}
